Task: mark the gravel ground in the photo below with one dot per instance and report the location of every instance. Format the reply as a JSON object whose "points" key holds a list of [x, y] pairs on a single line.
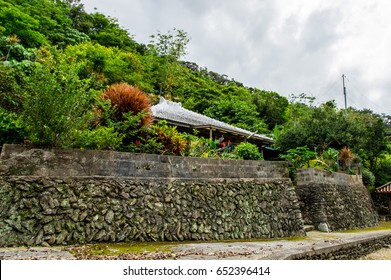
{"points": [[35, 253], [250, 250], [383, 254], [278, 249]]}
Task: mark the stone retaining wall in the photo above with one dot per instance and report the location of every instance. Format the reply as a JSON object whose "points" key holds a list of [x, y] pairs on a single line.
{"points": [[348, 251], [57, 197], [56, 211], [23, 161], [334, 200]]}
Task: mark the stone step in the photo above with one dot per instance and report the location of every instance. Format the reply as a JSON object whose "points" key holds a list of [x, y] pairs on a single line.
{"points": [[308, 228]]}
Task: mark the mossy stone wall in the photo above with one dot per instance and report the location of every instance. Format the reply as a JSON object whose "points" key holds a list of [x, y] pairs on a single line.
{"points": [[56, 211], [339, 200], [46, 200]]}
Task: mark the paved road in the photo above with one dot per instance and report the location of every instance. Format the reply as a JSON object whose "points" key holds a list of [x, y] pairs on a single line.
{"points": [[273, 249]]}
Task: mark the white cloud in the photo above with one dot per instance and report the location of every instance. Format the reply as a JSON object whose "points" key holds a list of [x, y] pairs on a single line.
{"points": [[288, 46]]}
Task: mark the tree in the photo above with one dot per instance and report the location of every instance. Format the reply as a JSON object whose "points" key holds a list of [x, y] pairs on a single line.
{"points": [[170, 47], [271, 107], [235, 111], [55, 101], [39, 23], [316, 127], [364, 132], [369, 135], [16, 22], [107, 32], [108, 65], [382, 172]]}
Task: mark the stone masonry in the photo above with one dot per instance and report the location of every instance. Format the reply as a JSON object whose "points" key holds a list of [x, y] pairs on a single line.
{"points": [[334, 200], [56, 197]]}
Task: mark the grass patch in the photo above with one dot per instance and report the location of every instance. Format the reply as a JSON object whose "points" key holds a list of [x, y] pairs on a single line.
{"points": [[292, 238], [382, 226], [113, 249]]}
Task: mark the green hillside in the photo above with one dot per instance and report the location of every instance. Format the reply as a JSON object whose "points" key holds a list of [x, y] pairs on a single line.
{"points": [[60, 72]]}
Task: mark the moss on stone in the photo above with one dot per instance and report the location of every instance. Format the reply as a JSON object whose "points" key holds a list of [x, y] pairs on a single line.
{"points": [[114, 249], [381, 226]]}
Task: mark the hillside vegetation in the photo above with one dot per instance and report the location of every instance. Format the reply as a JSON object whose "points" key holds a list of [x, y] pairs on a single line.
{"points": [[69, 78]]}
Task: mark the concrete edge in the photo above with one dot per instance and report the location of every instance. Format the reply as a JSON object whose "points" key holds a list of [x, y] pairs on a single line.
{"points": [[360, 247]]}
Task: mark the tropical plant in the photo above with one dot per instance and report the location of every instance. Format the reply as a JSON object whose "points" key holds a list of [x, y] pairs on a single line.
{"points": [[172, 142], [330, 158], [125, 98], [346, 158], [299, 156], [131, 130]]}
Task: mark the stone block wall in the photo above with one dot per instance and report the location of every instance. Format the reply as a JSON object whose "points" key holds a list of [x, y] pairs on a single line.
{"points": [[23, 161], [337, 200], [56, 197]]}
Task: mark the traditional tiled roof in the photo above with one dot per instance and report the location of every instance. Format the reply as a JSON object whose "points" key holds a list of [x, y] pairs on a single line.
{"points": [[385, 189], [175, 114]]}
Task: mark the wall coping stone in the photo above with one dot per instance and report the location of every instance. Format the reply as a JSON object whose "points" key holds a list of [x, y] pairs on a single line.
{"points": [[53, 162], [311, 175]]}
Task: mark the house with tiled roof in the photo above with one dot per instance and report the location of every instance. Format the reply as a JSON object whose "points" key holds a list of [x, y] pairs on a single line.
{"points": [[186, 121], [385, 190]]}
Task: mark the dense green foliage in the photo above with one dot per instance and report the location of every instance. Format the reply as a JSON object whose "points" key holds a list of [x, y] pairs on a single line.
{"points": [[57, 61], [55, 100]]}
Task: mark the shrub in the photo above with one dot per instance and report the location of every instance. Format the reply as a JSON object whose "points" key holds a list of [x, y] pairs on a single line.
{"points": [[125, 98], [101, 138], [159, 139], [11, 130], [56, 100], [299, 157], [368, 179], [247, 151], [11, 98], [172, 142], [132, 131]]}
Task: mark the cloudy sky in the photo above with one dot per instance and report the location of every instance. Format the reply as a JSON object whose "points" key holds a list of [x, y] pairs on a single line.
{"points": [[286, 46]]}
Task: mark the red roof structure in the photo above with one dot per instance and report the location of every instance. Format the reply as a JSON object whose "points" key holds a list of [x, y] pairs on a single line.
{"points": [[385, 189]]}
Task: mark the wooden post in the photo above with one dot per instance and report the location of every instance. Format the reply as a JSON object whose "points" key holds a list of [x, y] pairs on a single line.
{"points": [[389, 202]]}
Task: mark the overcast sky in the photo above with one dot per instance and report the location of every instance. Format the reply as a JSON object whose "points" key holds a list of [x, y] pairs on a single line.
{"points": [[286, 46]]}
